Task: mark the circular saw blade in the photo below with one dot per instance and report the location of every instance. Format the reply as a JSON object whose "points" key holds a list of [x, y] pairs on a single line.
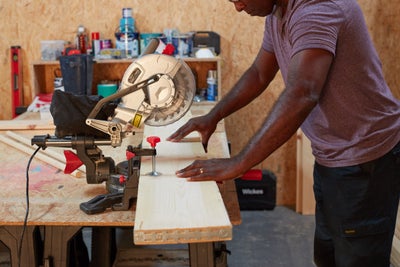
{"points": [[184, 92], [166, 100]]}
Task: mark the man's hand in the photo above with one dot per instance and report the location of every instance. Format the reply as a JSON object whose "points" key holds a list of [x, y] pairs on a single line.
{"points": [[201, 124], [211, 170]]}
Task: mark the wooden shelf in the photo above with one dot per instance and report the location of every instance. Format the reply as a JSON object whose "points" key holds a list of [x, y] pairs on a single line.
{"points": [[44, 72]]}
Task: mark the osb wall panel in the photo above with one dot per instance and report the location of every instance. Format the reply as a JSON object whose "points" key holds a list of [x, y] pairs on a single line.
{"points": [[384, 24], [27, 22]]}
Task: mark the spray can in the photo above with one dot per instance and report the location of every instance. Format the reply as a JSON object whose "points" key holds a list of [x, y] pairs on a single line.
{"points": [[95, 44], [212, 86]]}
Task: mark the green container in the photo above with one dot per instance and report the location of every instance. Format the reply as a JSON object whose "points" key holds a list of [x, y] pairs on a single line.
{"points": [[106, 89]]}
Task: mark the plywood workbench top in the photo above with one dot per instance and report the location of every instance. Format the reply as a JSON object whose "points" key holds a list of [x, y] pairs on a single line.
{"points": [[55, 197]]}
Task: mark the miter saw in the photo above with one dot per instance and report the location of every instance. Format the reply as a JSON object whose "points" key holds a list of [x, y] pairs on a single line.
{"points": [[155, 90]]}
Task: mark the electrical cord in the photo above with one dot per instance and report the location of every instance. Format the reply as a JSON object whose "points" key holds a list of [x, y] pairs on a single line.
{"points": [[27, 206]]}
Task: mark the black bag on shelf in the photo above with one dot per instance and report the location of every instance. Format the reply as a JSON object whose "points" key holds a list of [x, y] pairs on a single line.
{"points": [[77, 73]]}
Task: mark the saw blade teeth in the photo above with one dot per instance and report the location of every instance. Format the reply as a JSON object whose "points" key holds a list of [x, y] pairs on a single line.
{"points": [[185, 90]]}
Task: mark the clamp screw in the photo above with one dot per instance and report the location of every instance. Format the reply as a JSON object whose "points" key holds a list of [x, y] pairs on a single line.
{"points": [[153, 140]]}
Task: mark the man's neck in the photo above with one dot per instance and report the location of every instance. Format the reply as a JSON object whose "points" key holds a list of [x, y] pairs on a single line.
{"points": [[282, 4]]}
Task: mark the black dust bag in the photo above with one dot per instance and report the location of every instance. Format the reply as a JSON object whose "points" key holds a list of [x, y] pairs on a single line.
{"points": [[70, 112]]}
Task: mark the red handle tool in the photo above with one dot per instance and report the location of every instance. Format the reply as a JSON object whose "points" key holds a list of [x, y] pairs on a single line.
{"points": [[153, 140]]}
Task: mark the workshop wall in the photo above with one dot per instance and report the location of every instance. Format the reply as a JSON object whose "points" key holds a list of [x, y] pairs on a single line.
{"points": [[27, 22]]}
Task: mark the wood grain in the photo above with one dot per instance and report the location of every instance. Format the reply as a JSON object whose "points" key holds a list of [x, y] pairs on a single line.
{"points": [[54, 196], [171, 209], [51, 156], [305, 202], [26, 125]]}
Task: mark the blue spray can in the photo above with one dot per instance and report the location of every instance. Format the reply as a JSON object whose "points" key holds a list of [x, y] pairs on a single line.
{"points": [[212, 86]]}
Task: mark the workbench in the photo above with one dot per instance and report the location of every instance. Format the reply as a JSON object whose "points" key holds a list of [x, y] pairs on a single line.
{"points": [[55, 197]]}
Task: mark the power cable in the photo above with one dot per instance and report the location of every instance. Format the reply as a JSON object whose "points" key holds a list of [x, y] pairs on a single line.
{"points": [[27, 206]]}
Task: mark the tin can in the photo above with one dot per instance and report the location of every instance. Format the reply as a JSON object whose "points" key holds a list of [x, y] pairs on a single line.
{"points": [[105, 43], [183, 45]]}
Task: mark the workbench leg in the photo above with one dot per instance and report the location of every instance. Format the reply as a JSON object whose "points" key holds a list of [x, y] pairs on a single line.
{"points": [[56, 246], [31, 245], [201, 254], [103, 246]]}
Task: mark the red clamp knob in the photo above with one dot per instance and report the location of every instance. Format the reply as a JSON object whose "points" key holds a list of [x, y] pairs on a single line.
{"points": [[130, 155], [122, 179], [153, 140]]}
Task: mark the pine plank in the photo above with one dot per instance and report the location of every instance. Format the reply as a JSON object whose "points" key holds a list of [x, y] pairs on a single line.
{"points": [[26, 125], [305, 202], [172, 210]]}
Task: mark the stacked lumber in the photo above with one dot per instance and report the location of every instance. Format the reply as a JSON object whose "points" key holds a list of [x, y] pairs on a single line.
{"points": [[51, 156]]}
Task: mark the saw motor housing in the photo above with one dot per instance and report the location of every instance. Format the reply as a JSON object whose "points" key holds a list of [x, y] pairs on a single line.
{"points": [[155, 90]]}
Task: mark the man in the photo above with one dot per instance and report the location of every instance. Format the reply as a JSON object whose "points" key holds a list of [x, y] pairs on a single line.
{"points": [[335, 91]]}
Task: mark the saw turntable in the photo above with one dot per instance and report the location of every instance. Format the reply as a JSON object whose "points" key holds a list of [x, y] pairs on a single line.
{"points": [[155, 90]]}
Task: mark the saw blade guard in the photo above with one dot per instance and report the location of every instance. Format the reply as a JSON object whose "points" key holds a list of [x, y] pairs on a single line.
{"points": [[162, 102]]}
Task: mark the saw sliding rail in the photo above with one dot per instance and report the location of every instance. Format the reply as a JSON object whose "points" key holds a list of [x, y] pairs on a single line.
{"points": [[45, 141]]}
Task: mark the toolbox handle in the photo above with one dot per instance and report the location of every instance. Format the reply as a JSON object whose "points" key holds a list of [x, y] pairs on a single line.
{"points": [[252, 175]]}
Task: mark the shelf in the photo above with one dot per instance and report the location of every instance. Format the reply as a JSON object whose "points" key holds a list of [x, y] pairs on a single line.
{"points": [[44, 72]]}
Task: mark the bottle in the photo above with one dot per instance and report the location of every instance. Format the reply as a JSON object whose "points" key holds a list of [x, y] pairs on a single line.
{"points": [[127, 23], [212, 89], [95, 44], [82, 40], [126, 36]]}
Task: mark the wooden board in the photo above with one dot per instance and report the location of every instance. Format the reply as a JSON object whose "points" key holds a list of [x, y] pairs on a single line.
{"points": [[26, 125], [173, 210], [305, 201], [52, 156], [395, 256]]}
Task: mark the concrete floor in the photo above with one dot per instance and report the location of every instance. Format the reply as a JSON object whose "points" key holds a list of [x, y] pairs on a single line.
{"points": [[277, 238]]}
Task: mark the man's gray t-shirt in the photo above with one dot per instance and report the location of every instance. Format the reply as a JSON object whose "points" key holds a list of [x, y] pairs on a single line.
{"points": [[357, 118]]}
